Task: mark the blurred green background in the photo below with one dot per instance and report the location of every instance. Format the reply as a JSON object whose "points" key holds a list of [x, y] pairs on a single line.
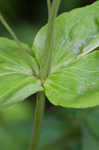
{"points": [[62, 129]]}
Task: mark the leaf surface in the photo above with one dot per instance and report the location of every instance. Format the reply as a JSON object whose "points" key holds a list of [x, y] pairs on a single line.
{"points": [[76, 86], [17, 81], [74, 77]]}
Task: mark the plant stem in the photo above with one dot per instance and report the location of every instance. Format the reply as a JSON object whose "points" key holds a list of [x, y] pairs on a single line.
{"points": [[49, 7], [3, 21], [44, 71], [9, 29], [38, 120], [46, 58]]}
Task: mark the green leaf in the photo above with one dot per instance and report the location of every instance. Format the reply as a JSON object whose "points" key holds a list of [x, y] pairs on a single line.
{"points": [[17, 81], [77, 85], [72, 34], [74, 77]]}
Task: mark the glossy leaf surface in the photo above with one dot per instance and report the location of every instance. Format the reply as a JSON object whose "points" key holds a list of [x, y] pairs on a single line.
{"points": [[16, 78], [74, 77]]}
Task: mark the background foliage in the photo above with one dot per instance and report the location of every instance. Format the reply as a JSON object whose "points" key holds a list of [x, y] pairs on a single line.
{"points": [[63, 129]]}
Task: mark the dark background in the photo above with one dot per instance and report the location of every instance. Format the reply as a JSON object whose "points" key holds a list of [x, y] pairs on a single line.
{"points": [[63, 129], [27, 16], [34, 11]]}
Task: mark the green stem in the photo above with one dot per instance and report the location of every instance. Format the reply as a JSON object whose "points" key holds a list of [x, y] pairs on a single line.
{"points": [[9, 30], [38, 120], [46, 58], [17, 41], [49, 7], [44, 71]]}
